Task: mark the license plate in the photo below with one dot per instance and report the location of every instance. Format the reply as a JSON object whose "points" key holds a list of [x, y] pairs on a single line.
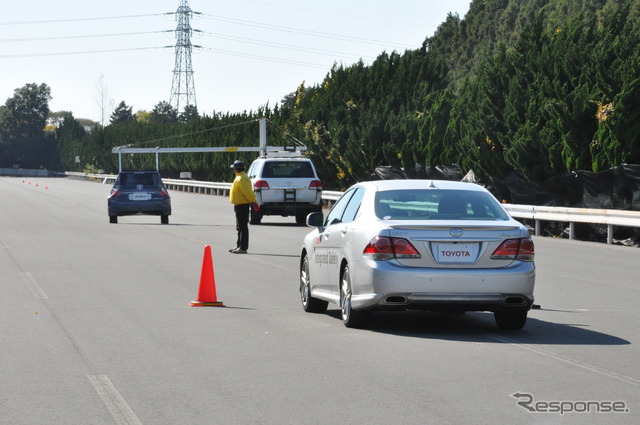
{"points": [[139, 196], [456, 252]]}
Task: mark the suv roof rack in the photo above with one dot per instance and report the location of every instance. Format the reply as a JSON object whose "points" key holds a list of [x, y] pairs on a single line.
{"points": [[284, 152]]}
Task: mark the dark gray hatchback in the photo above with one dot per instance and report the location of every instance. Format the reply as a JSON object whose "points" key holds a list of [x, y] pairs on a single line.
{"points": [[139, 192]]}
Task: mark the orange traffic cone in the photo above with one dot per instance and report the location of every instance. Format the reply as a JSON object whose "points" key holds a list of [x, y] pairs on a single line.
{"points": [[207, 290]]}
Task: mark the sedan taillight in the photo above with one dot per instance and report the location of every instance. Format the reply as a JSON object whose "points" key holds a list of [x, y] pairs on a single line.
{"points": [[384, 248], [515, 249]]}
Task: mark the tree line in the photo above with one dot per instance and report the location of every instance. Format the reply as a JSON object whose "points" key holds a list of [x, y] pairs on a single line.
{"points": [[538, 88]]}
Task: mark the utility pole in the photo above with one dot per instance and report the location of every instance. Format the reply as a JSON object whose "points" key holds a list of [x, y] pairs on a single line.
{"points": [[183, 92]]}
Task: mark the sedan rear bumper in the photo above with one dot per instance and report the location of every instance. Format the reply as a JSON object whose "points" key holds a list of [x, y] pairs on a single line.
{"points": [[388, 285]]}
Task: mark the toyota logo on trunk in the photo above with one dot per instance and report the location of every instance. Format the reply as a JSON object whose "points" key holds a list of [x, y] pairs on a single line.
{"points": [[456, 232]]}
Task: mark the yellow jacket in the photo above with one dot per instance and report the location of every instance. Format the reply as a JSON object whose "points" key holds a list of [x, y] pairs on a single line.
{"points": [[241, 191]]}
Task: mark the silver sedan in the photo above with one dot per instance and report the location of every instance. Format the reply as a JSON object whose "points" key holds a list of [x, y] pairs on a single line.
{"points": [[418, 244]]}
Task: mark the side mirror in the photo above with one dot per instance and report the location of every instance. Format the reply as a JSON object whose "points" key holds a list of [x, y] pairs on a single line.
{"points": [[315, 219]]}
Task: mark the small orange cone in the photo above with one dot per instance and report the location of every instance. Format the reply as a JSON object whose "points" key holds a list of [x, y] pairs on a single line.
{"points": [[207, 290]]}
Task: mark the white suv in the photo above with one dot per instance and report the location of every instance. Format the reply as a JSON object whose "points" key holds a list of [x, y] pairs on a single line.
{"points": [[286, 187]]}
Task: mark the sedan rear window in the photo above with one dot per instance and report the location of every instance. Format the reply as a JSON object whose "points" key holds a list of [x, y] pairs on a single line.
{"points": [[424, 204]]}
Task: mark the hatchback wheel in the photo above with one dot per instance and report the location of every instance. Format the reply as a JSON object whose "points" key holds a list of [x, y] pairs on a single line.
{"points": [[351, 318], [511, 319], [309, 303], [164, 219], [113, 219]]}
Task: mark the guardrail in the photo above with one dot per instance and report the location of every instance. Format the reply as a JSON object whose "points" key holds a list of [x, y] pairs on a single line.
{"points": [[610, 218]]}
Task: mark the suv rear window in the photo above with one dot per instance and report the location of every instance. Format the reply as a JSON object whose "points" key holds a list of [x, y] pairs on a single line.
{"points": [[287, 169], [134, 179]]}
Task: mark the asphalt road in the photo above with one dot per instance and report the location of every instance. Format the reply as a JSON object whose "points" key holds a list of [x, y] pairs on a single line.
{"points": [[96, 328]]}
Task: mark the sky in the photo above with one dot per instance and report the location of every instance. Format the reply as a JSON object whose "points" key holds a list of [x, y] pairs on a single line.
{"points": [[247, 53]]}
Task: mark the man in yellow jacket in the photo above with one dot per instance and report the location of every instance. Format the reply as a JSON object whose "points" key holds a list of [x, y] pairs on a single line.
{"points": [[242, 197]]}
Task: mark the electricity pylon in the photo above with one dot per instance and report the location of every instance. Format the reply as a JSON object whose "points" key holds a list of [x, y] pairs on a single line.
{"points": [[183, 92]]}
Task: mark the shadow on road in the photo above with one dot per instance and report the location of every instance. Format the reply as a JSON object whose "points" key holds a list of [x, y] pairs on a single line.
{"points": [[481, 327]]}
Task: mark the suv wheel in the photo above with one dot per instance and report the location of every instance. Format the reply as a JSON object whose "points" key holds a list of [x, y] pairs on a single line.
{"points": [[256, 217], [301, 218]]}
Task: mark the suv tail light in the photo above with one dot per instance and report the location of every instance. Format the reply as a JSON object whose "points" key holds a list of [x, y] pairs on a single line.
{"points": [[515, 249], [384, 248], [315, 184], [260, 185]]}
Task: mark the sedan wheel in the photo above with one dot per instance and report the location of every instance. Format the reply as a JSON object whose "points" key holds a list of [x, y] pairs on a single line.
{"points": [[351, 318], [511, 319], [309, 303]]}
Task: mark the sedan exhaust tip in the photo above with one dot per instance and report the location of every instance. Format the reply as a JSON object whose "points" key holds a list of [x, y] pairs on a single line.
{"points": [[396, 299], [514, 300]]}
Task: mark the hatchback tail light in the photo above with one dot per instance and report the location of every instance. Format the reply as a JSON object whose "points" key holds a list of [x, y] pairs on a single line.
{"points": [[384, 248], [114, 193], [515, 249], [261, 185], [163, 192], [315, 184]]}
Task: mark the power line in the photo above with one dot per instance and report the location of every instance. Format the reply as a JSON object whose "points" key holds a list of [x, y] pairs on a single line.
{"points": [[279, 45], [70, 37], [333, 13], [54, 21], [224, 52], [221, 36], [265, 58], [299, 30], [79, 52], [209, 34]]}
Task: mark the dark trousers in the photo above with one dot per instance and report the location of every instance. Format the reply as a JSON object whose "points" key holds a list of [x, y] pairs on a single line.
{"points": [[242, 225]]}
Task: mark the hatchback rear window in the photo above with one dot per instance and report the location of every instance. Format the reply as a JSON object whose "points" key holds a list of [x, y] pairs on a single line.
{"points": [[424, 204], [287, 169], [135, 179]]}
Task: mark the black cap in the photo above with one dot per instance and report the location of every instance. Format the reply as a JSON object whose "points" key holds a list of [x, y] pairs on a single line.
{"points": [[237, 164]]}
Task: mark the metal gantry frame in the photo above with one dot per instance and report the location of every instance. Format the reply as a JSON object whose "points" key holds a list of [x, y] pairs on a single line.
{"points": [[262, 148]]}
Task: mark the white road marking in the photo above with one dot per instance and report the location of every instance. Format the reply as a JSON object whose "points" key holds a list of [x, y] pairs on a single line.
{"points": [[119, 409], [35, 289], [591, 368]]}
